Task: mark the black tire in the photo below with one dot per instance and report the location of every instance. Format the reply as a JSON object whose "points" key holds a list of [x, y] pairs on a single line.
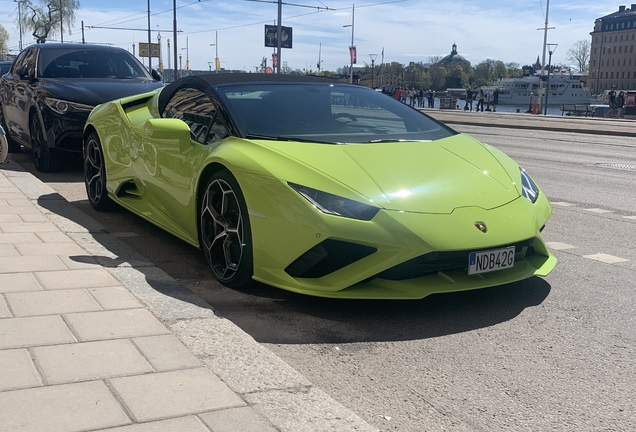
{"points": [[226, 236], [95, 174], [13, 146], [43, 159]]}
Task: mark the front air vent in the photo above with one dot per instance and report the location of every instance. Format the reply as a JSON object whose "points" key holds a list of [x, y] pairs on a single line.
{"points": [[327, 257]]}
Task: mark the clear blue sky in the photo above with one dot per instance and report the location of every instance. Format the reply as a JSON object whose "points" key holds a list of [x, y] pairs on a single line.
{"points": [[411, 30]]}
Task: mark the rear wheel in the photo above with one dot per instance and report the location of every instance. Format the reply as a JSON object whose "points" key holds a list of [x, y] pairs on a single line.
{"points": [[95, 174], [226, 235], [43, 159]]}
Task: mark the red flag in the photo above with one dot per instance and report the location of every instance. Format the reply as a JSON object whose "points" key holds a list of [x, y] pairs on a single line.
{"points": [[275, 60], [352, 53]]}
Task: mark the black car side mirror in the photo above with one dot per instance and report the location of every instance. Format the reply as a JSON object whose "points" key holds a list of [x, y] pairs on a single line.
{"points": [[156, 75], [23, 71]]}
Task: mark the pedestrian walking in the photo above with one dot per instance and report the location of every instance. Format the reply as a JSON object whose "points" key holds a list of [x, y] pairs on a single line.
{"points": [[431, 101], [469, 100], [480, 100], [611, 99], [495, 99], [620, 103]]}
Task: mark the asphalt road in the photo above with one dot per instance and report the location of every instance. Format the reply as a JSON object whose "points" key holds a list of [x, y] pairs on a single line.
{"points": [[545, 354]]}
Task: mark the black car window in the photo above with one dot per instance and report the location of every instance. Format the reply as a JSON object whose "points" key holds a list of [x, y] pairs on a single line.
{"points": [[327, 113], [196, 109], [26, 58], [4, 68], [90, 63]]}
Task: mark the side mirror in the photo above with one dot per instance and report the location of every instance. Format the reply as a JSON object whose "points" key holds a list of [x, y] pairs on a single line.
{"points": [[156, 75], [23, 71], [169, 129]]}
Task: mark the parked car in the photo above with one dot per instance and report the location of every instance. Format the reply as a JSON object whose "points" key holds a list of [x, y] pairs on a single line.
{"points": [[46, 96], [5, 66], [326, 189]]}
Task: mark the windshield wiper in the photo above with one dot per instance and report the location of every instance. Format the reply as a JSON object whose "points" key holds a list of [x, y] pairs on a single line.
{"points": [[287, 138], [395, 140]]}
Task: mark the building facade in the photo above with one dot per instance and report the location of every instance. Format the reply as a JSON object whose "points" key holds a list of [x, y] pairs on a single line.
{"points": [[612, 56]]}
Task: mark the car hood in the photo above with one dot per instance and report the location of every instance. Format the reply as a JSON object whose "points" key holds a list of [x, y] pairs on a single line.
{"points": [[427, 177], [96, 91]]}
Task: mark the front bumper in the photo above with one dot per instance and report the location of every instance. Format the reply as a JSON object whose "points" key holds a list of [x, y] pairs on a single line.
{"points": [[286, 229]]}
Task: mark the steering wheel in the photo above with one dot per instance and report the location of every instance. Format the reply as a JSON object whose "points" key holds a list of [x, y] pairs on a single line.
{"points": [[351, 117]]}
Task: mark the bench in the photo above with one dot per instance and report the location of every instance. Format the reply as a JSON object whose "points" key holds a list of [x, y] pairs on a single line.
{"points": [[576, 110]]}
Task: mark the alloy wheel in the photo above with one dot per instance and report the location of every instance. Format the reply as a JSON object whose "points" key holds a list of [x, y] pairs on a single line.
{"points": [[222, 229]]}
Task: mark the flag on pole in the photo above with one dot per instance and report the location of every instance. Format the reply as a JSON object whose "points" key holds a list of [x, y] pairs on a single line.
{"points": [[352, 53]]}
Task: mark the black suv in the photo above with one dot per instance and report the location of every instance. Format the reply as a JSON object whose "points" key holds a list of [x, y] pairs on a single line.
{"points": [[51, 88]]}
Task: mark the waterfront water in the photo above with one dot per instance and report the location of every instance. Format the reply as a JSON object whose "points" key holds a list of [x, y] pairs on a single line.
{"points": [[552, 109]]}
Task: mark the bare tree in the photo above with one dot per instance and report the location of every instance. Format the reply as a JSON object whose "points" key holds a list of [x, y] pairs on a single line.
{"points": [[43, 19], [580, 54], [4, 38]]}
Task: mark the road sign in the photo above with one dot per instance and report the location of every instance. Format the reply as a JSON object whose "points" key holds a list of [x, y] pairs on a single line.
{"points": [[143, 49]]}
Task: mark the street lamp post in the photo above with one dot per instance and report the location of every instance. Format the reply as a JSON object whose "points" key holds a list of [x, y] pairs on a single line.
{"points": [[551, 51], [187, 55], [217, 63], [62, 25], [373, 57], [19, 20], [180, 66], [352, 47]]}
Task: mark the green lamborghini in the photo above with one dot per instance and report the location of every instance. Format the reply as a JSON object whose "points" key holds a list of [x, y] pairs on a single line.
{"points": [[317, 187]]}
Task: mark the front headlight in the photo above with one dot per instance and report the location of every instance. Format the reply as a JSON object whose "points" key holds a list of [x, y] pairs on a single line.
{"points": [[528, 188], [64, 107], [336, 205]]}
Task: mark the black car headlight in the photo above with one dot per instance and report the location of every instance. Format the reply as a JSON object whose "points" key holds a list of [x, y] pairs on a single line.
{"points": [[61, 106], [336, 205], [528, 188]]}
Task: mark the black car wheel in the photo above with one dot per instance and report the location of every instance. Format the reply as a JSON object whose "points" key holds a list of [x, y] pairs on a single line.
{"points": [[13, 146], [43, 159], [225, 231], [95, 174]]}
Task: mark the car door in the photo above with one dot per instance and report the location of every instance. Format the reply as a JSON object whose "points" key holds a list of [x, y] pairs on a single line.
{"points": [[170, 171], [16, 95]]}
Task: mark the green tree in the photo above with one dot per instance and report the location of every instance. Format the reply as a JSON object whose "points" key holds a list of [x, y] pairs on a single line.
{"points": [[43, 19], [499, 70], [4, 38], [438, 78], [514, 69], [483, 72]]}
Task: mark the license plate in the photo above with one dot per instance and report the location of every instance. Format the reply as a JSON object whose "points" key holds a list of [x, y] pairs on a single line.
{"points": [[492, 260]]}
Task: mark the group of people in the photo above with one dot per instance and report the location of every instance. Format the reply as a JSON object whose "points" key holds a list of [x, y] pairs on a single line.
{"points": [[415, 98], [470, 96], [616, 102]]}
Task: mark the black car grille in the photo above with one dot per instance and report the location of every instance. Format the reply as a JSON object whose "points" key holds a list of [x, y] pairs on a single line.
{"points": [[433, 262], [327, 257]]}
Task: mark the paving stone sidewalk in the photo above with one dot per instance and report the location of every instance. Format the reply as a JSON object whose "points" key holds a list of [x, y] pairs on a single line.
{"points": [[93, 337]]}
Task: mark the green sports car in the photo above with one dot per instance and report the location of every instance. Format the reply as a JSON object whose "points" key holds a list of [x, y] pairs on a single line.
{"points": [[317, 187]]}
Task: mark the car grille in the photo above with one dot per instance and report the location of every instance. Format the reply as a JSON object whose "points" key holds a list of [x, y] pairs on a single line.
{"points": [[434, 262], [327, 257]]}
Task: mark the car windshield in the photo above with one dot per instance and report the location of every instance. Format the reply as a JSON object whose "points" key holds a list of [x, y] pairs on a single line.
{"points": [[328, 113], [90, 63]]}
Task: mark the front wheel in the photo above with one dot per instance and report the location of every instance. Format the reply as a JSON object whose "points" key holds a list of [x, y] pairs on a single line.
{"points": [[43, 159], [226, 235], [95, 174]]}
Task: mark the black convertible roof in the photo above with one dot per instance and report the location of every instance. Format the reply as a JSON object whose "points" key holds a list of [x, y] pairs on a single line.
{"points": [[203, 82]]}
